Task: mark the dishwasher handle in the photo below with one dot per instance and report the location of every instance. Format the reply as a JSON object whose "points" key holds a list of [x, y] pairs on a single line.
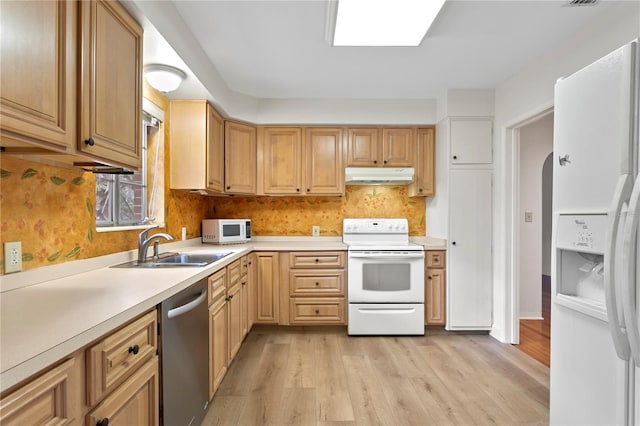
{"points": [[172, 313]]}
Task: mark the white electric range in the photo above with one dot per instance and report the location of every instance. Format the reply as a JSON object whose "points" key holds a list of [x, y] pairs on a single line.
{"points": [[385, 281]]}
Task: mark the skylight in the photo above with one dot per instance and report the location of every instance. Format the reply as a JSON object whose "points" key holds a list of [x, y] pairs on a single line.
{"points": [[384, 22]]}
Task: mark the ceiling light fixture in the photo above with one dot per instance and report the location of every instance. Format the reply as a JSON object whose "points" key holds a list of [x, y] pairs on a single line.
{"points": [[383, 22], [163, 78]]}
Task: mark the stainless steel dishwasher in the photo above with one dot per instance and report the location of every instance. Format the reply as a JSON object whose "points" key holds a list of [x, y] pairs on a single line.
{"points": [[184, 355]]}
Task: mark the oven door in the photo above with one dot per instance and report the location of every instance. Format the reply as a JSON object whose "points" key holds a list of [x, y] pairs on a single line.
{"points": [[385, 276]]}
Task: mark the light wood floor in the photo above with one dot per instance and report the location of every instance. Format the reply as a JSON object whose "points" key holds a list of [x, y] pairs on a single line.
{"points": [[321, 376], [535, 335]]}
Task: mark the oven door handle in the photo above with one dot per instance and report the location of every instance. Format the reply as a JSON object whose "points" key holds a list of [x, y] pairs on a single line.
{"points": [[369, 255]]}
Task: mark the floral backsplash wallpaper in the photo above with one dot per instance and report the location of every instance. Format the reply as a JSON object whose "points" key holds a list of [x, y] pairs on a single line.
{"points": [[294, 216]]}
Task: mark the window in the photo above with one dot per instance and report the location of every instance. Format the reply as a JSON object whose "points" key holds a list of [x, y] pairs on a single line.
{"points": [[131, 199]]}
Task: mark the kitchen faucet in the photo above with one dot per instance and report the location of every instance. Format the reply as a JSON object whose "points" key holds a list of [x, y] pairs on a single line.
{"points": [[144, 242]]}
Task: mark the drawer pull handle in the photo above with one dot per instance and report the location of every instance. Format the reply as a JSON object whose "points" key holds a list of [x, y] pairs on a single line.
{"points": [[317, 284], [132, 350], [317, 260], [429, 277], [317, 311], [103, 422], [90, 142]]}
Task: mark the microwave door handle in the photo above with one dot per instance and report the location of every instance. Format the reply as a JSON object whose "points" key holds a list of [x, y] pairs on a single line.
{"points": [[628, 273]]}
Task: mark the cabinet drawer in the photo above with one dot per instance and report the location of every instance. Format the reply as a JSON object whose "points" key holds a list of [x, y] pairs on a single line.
{"points": [[435, 259], [118, 355], [217, 286], [327, 310], [311, 282], [234, 272], [317, 259]]}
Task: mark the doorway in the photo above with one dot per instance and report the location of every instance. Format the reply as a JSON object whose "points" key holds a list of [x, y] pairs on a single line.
{"points": [[532, 223]]}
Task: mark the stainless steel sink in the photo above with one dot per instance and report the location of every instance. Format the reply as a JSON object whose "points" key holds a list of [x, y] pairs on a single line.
{"points": [[173, 260]]}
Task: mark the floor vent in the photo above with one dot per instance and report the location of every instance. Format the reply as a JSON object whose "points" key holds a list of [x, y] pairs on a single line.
{"points": [[575, 3]]}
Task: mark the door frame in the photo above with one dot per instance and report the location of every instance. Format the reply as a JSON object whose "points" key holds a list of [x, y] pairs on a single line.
{"points": [[512, 142]]}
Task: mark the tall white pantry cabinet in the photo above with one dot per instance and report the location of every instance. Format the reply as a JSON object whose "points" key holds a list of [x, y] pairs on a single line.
{"points": [[469, 254]]}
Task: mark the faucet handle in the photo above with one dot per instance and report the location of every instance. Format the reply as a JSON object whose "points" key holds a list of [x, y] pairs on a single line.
{"points": [[143, 235]]}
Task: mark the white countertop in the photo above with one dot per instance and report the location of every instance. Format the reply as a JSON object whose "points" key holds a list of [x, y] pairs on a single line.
{"points": [[49, 313]]}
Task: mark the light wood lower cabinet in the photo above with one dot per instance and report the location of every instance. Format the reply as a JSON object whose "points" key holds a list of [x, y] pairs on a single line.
{"points": [[316, 287], [435, 288], [267, 287], [218, 330], [135, 402], [52, 398], [115, 380]]}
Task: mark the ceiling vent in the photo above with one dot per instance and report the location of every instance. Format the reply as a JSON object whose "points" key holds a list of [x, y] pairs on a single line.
{"points": [[575, 3]]}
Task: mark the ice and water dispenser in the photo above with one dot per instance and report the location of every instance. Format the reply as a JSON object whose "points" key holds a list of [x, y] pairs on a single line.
{"points": [[580, 247]]}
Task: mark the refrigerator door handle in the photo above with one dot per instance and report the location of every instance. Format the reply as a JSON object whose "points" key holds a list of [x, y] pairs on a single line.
{"points": [[629, 272], [616, 327]]}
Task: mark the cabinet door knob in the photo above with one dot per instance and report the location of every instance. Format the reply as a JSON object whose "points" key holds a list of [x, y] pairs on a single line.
{"points": [[228, 187], [384, 162], [429, 277], [134, 350], [297, 189], [103, 422], [455, 157], [90, 142], [308, 190], [420, 190], [317, 284], [453, 243], [317, 311], [375, 161]]}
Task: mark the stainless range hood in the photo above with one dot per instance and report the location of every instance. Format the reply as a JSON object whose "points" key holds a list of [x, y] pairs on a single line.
{"points": [[378, 175]]}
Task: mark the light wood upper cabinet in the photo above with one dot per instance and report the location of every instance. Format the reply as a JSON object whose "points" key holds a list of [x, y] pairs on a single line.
{"points": [[397, 147], [322, 153], [302, 161], [197, 147], [111, 84], [38, 54], [240, 145], [281, 156], [424, 179], [380, 147], [362, 147]]}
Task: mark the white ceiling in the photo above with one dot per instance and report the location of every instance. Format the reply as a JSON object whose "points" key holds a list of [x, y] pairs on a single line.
{"points": [[277, 49]]}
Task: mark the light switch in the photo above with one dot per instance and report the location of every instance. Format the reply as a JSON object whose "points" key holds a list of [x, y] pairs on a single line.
{"points": [[528, 217]]}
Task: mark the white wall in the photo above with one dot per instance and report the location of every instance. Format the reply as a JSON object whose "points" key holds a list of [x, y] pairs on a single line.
{"points": [[536, 142], [524, 95]]}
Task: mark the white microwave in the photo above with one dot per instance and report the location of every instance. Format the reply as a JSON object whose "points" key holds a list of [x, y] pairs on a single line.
{"points": [[226, 231]]}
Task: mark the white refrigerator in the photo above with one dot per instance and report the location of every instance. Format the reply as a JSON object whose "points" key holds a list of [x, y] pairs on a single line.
{"points": [[595, 345]]}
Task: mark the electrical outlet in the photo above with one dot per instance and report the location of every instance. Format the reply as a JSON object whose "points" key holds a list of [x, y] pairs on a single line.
{"points": [[315, 231], [12, 257]]}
